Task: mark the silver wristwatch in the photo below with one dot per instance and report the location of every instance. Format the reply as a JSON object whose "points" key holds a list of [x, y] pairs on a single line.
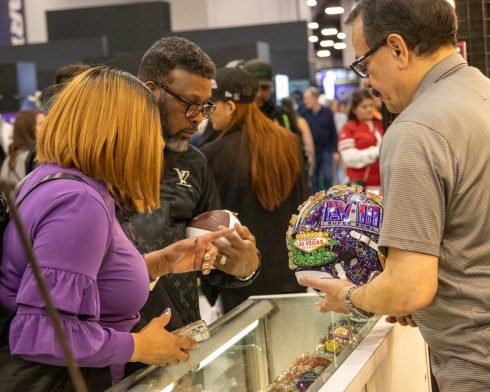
{"points": [[355, 311]]}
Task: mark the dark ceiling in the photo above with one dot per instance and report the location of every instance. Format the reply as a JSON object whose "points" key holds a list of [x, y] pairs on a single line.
{"points": [[326, 21]]}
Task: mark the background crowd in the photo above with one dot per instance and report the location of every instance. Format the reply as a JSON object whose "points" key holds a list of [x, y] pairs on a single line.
{"points": [[255, 156]]}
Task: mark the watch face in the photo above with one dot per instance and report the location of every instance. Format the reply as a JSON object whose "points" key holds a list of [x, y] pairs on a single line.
{"points": [[335, 235]]}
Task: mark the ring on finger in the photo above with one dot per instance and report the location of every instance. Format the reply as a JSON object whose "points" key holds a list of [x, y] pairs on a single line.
{"points": [[222, 261]]}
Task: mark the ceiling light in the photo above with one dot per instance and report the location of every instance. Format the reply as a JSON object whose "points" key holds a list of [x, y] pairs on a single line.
{"points": [[313, 25], [340, 45], [341, 35], [311, 3], [330, 31], [334, 10], [323, 53], [313, 38], [327, 43]]}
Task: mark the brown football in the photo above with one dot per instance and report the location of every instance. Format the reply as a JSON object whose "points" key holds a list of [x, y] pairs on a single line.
{"points": [[211, 221]]}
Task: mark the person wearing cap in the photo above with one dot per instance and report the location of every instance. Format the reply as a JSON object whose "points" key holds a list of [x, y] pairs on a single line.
{"points": [[179, 74], [259, 172], [262, 72], [264, 98]]}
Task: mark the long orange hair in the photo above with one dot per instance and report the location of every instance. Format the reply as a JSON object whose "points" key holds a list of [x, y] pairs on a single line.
{"points": [[275, 155], [106, 124]]}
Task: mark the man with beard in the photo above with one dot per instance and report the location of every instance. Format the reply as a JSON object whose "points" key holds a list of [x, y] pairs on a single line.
{"points": [[180, 74]]}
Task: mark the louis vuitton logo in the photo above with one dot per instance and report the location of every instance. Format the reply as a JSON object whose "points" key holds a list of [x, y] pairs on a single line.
{"points": [[183, 175]]}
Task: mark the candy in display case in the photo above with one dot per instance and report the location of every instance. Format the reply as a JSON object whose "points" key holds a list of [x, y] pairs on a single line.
{"points": [[269, 343], [345, 333]]}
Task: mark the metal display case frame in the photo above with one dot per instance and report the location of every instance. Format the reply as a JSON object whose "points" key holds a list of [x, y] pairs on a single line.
{"points": [[251, 346]]}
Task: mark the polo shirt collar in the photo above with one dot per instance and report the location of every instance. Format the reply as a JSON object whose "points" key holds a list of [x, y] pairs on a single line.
{"points": [[439, 71]]}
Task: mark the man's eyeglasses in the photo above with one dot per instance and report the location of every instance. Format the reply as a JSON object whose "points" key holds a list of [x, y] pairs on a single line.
{"points": [[358, 67], [193, 109]]}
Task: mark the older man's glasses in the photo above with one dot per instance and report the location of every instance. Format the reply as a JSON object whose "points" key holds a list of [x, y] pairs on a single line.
{"points": [[358, 66], [193, 109]]}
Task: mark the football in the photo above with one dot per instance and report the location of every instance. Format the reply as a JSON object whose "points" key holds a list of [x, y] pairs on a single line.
{"points": [[211, 221]]}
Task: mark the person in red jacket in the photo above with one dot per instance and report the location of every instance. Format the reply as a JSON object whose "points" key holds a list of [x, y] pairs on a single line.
{"points": [[359, 141]]}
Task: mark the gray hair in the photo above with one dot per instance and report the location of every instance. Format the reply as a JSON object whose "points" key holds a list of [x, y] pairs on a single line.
{"points": [[425, 25]]}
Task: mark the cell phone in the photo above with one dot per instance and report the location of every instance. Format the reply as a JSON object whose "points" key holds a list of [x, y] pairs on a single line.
{"points": [[197, 330]]}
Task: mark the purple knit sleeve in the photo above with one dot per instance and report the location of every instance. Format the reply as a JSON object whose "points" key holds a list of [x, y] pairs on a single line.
{"points": [[70, 239]]}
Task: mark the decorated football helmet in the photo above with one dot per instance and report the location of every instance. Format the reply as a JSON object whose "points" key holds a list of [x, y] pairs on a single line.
{"points": [[335, 235]]}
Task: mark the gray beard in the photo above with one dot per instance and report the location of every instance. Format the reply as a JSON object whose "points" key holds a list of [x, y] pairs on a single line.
{"points": [[175, 144], [171, 143]]}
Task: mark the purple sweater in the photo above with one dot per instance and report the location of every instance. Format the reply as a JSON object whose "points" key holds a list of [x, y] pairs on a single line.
{"points": [[73, 229]]}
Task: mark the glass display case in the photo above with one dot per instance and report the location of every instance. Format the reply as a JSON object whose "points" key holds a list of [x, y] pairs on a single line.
{"points": [[271, 343]]}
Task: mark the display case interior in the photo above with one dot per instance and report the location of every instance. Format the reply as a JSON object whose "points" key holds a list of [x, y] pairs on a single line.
{"points": [[274, 343]]}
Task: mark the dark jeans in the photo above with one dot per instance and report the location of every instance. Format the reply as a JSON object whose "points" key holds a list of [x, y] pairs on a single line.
{"points": [[323, 175]]}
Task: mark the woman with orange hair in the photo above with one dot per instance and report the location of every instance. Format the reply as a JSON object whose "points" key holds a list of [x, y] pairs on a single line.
{"points": [[104, 128], [258, 167]]}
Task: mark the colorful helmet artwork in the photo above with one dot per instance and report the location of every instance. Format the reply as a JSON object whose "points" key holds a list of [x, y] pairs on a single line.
{"points": [[335, 235]]}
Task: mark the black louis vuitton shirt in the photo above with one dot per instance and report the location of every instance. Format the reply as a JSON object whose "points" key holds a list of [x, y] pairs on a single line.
{"points": [[187, 188]]}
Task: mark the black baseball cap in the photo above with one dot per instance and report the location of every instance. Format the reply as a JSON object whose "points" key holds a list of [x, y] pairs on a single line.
{"points": [[234, 84], [260, 70]]}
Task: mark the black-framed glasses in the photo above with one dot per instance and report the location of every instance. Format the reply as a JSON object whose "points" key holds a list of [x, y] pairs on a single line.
{"points": [[358, 66], [193, 109]]}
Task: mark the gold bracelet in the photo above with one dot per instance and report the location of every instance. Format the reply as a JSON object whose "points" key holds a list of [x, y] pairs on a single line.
{"points": [[245, 278]]}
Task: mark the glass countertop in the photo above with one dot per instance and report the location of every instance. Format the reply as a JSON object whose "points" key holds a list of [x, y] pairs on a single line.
{"points": [[267, 344]]}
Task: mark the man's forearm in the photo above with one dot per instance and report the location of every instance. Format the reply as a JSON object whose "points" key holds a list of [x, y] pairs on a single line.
{"points": [[381, 296], [408, 284]]}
